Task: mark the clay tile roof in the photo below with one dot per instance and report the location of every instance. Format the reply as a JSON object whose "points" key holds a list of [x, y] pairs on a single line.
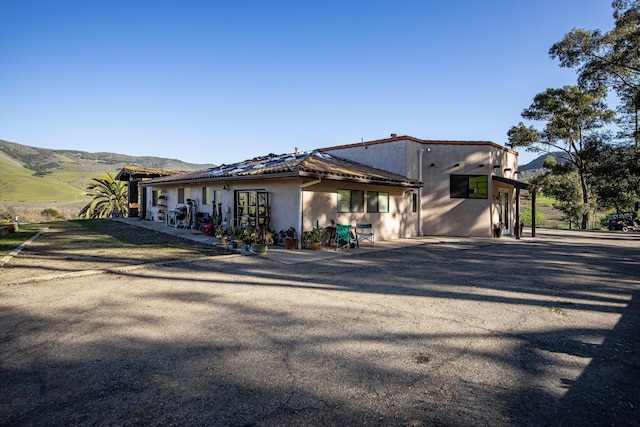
{"points": [[143, 172], [307, 164]]}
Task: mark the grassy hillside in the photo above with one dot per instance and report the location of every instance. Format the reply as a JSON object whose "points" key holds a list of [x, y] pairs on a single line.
{"points": [[33, 179], [18, 183], [44, 161]]}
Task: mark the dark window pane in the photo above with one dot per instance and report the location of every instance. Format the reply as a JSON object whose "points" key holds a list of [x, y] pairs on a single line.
{"points": [[372, 201], [357, 201], [344, 200], [459, 186]]}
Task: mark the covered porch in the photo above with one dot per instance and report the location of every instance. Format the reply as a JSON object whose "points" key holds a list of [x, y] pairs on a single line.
{"points": [[519, 185]]}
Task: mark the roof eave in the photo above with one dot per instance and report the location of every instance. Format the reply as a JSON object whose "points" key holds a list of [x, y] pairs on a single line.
{"points": [[294, 174]]}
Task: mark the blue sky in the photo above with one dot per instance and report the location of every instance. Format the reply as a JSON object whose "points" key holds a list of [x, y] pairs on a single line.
{"points": [[220, 82]]}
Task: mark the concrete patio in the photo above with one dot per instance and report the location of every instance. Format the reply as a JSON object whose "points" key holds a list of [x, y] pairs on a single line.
{"points": [[279, 254]]}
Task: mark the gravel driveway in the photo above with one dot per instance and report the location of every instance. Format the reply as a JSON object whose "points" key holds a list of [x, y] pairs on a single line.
{"points": [[542, 331]]}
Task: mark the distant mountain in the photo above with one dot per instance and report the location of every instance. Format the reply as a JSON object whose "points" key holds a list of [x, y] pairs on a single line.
{"points": [[535, 166], [44, 161]]}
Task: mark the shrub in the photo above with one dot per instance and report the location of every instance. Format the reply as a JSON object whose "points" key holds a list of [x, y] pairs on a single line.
{"points": [[7, 213], [51, 213]]}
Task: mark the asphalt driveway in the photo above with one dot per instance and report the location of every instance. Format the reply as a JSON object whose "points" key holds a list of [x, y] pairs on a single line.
{"points": [[542, 331]]}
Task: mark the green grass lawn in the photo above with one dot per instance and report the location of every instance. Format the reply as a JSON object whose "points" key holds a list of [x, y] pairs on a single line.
{"points": [[13, 240]]}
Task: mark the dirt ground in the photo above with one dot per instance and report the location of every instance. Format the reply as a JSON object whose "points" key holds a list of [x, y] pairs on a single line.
{"points": [[498, 332]]}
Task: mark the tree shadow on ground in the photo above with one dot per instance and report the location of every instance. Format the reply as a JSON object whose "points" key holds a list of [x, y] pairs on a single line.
{"points": [[367, 351]]}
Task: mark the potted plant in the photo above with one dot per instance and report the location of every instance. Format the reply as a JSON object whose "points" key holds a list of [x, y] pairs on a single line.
{"points": [[259, 238], [11, 226], [290, 237], [235, 235], [222, 233], [314, 237]]}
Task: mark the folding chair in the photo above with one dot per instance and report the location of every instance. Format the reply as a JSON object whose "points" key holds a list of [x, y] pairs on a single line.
{"points": [[343, 236], [364, 232]]}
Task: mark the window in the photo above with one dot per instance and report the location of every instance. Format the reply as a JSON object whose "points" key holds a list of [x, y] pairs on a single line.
{"points": [[205, 196], [377, 201], [414, 202], [216, 203], [154, 197], [469, 187], [184, 194], [350, 201], [217, 197]]}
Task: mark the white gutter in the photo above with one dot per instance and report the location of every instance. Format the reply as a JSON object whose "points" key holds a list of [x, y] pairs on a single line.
{"points": [[300, 188]]}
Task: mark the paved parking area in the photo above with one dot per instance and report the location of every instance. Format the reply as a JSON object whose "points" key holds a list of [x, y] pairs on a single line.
{"points": [[540, 331]]}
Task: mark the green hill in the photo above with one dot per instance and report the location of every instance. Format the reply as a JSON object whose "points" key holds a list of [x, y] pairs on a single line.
{"points": [[33, 178], [18, 183]]}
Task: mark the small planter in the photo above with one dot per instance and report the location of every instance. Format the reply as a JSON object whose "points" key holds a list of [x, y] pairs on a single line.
{"points": [[290, 244], [259, 249], [237, 244], [12, 226], [315, 246]]}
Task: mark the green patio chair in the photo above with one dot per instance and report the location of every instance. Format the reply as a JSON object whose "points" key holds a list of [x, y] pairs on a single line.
{"points": [[343, 236]]}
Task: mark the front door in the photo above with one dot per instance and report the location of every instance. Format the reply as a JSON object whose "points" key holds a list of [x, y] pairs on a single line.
{"points": [[504, 211]]}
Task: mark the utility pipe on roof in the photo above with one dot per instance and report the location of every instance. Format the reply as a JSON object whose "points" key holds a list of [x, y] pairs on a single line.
{"points": [[420, 153], [300, 188]]}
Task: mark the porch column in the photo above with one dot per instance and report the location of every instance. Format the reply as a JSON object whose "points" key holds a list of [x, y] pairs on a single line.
{"points": [[517, 227], [533, 213]]}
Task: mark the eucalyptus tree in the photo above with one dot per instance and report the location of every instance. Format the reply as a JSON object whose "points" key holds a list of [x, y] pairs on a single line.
{"points": [[570, 117], [609, 60], [560, 182], [615, 173], [108, 197]]}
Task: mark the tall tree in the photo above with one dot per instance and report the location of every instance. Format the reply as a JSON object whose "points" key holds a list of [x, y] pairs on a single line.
{"points": [[614, 174], [608, 60], [571, 115], [560, 182], [108, 197]]}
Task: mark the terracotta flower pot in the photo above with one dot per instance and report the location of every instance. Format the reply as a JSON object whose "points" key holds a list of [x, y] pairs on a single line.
{"points": [[290, 243], [13, 227]]}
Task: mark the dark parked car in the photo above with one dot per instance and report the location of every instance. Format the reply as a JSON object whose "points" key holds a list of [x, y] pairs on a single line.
{"points": [[624, 221]]}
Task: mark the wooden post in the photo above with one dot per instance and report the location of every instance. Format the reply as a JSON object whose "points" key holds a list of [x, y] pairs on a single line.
{"points": [[533, 213], [517, 226]]}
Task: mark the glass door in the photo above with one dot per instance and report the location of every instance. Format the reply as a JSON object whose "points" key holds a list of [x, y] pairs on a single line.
{"points": [[252, 208], [504, 211]]}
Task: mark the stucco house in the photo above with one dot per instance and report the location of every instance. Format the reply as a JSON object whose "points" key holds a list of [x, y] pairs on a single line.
{"points": [[403, 186], [469, 187], [301, 190]]}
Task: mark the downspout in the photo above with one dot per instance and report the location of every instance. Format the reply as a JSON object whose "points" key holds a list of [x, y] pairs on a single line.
{"points": [[300, 188], [420, 152]]}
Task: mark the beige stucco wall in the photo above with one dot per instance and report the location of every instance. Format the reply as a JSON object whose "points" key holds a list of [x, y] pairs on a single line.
{"points": [[319, 206], [283, 199], [441, 214], [391, 156]]}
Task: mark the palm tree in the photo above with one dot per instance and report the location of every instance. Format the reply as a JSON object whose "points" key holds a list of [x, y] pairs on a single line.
{"points": [[109, 197]]}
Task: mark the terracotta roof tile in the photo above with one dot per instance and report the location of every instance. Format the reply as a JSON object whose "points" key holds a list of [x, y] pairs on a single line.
{"points": [[312, 164]]}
